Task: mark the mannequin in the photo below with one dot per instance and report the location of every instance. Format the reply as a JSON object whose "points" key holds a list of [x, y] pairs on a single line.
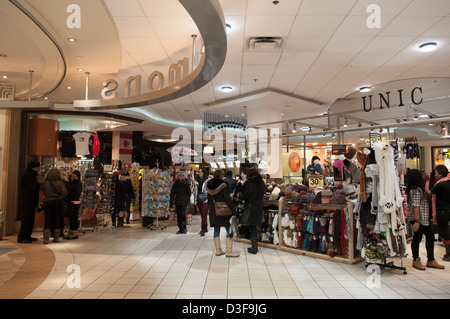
{"points": [[315, 167]]}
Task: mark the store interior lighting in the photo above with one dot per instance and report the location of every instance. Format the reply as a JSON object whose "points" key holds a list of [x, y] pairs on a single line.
{"points": [[428, 47], [364, 89]]}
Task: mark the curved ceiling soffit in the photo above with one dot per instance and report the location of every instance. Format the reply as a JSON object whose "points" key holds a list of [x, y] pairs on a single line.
{"points": [[52, 40], [210, 21]]}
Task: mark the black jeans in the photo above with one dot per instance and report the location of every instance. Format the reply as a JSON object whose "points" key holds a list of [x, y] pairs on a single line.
{"points": [[73, 216], [181, 216], [26, 227], [429, 242], [442, 219], [53, 214]]}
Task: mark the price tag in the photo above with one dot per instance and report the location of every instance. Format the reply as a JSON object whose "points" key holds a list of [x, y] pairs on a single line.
{"points": [[316, 181]]}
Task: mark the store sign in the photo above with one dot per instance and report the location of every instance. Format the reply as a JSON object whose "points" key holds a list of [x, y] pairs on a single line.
{"points": [[374, 138], [338, 149], [176, 72], [385, 98], [316, 181]]}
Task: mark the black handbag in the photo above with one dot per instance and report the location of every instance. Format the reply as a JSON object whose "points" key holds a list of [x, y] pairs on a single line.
{"points": [[246, 216]]}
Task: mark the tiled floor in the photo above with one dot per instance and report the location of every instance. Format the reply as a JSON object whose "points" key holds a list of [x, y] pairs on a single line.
{"points": [[136, 263]]}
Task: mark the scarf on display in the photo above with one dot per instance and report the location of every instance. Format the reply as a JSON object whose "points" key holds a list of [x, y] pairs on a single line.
{"points": [[433, 203], [363, 160], [390, 196]]}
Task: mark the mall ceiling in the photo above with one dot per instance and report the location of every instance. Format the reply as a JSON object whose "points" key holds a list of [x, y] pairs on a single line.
{"points": [[313, 56]]}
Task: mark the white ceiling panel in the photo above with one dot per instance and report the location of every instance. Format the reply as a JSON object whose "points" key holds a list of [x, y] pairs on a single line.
{"points": [[432, 8], [166, 8], [120, 8], [284, 7], [316, 25], [268, 26], [409, 26], [326, 7], [261, 58], [387, 8], [134, 27]]}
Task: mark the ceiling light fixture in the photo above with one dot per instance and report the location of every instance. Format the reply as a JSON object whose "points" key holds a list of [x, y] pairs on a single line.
{"points": [[416, 116], [294, 130], [228, 28], [69, 88], [346, 123], [428, 47], [71, 39], [80, 70], [333, 135], [365, 89], [226, 89], [5, 76]]}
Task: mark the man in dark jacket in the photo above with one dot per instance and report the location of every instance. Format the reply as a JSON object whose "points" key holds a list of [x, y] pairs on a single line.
{"points": [[230, 181], [28, 201], [180, 195], [253, 194]]}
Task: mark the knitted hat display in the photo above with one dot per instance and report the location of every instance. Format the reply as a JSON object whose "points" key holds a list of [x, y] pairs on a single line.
{"points": [[326, 196], [310, 195], [317, 199], [338, 197]]}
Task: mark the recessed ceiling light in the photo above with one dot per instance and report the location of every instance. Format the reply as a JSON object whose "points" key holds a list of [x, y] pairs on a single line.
{"points": [[428, 47], [69, 88], [364, 89], [226, 89], [80, 70], [45, 98], [5, 76], [228, 28], [71, 39], [424, 115]]}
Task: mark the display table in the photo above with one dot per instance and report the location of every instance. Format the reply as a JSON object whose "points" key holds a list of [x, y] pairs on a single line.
{"points": [[297, 229]]}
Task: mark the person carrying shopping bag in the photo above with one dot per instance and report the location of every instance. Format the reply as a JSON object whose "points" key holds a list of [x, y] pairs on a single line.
{"points": [[221, 208]]}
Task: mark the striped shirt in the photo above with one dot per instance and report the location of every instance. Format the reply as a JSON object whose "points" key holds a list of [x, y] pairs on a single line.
{"points": [[417, 198]]}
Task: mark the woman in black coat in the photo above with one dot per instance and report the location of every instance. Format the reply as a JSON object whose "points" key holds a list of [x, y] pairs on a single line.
{"points": [[252, 195], [218, 191]]}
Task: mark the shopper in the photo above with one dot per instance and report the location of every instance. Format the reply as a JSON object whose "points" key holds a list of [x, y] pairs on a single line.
{"points": [[240, 184], [230, 181], [420, 219], [218, 191], [202, 199], [441, 198], [74, 190], [55, 193], [119, 202], [180, 197], [28, 201], [129, 193], [252, 196]]}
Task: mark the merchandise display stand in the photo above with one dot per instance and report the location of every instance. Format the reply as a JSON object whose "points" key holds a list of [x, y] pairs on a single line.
{"points": [[156, 186], [89, 200], [286, 230], [106, 202]]}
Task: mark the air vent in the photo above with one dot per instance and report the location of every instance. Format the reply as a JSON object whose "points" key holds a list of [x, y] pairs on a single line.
{"points": [[264, 44]]}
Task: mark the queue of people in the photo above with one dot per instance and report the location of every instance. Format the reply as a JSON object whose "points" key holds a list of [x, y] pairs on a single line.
{"points": [[61, 194]]}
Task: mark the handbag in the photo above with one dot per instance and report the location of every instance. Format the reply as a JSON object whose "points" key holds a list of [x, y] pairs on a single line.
{"points": [[246, 217], [222, 209]]}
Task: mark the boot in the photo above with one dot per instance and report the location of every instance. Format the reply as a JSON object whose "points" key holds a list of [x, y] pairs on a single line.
{"points": [[418, 265], [73, 234], [46, 236], [56, 238], [229, 248], [254, 248], [219, 251], [447, 252], [434, 264]]}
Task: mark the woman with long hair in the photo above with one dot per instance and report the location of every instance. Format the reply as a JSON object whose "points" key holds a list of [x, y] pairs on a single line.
{"points": [[202, 203], [218, 191], [420, 219]]}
